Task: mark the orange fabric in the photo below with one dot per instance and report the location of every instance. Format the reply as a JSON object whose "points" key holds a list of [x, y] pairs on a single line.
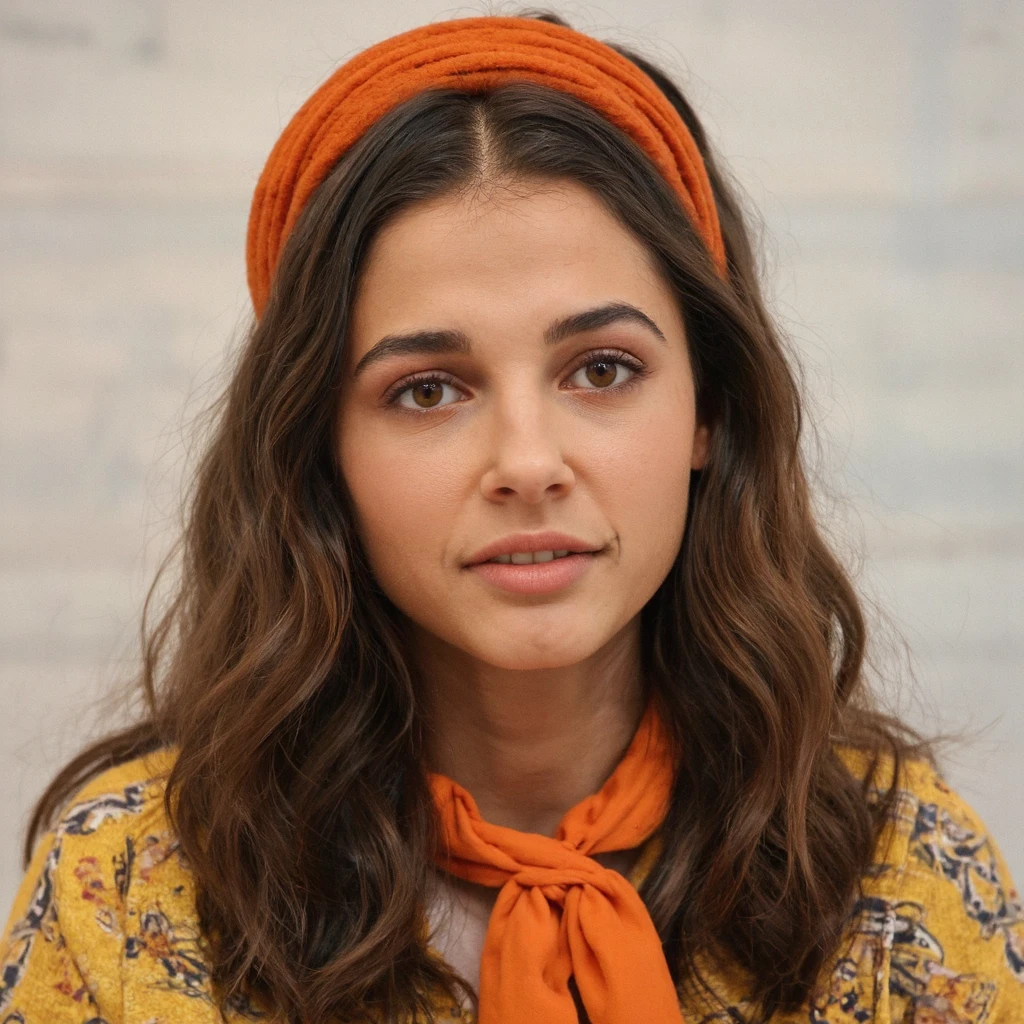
{"points": [[559, 911], [472, 54]]}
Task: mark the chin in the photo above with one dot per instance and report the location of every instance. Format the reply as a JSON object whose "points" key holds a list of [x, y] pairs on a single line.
{"points": [[524, 651]]}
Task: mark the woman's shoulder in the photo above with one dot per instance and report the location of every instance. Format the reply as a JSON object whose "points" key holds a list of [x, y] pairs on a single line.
{"points": [[106, 905], [928, 819], [936, 928], [119, 798], [116, 817], [938, 905]]}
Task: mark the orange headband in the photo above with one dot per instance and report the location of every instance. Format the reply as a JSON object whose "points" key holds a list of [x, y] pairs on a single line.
{"points": [[472, 54]]}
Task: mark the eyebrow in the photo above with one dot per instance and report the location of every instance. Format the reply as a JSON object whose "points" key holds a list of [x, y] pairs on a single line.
{"points": [[449, 340]]}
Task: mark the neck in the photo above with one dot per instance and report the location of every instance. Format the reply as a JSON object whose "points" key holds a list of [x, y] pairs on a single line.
{"points": [[529, 744]]}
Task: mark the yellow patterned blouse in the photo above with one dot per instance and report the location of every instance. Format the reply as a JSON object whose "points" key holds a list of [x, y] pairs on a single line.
{"points": [[103, 927]]}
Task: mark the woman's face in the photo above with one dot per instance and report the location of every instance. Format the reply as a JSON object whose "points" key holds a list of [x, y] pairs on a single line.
{"points": [[510, 431]]}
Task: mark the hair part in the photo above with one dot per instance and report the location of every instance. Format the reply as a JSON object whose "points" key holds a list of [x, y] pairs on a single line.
{"points": [[280, 670]]}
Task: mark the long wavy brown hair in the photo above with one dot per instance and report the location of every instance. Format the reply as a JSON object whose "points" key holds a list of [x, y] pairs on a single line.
{"points": [[279, 668]]}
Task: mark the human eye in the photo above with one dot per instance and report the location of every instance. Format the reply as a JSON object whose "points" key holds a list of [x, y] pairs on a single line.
{"points": [[432, 382], [608, 359]]}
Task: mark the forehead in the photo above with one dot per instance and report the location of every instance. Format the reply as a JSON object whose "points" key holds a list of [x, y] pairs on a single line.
{"points": [[503, 252]]}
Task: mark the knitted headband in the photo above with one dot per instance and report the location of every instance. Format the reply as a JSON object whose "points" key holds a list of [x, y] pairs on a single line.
{"points": [[472, 54]]}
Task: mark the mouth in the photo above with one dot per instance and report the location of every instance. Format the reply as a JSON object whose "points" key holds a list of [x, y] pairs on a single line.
{"points": [[531, 557], [534, 557], [535, 577], [526, 548]]}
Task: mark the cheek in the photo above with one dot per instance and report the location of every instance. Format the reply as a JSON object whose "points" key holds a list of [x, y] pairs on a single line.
{"points": [[645, 486], [405, 504]]}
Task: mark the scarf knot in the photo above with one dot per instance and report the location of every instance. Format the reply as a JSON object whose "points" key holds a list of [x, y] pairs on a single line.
{"points": [[559, 913]]}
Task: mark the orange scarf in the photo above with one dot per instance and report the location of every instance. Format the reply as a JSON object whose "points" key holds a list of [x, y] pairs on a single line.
{"points": [[560, 912], [471, 54]]}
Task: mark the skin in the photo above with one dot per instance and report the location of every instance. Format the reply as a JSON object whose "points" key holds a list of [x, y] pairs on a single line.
{"points": [[530, 700]]}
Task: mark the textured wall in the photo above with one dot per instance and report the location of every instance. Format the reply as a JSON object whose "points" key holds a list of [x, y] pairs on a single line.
{"points": [[883, 141]]}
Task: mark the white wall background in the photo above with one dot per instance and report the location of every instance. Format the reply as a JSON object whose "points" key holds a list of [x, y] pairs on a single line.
{"points": [[883, 141]]}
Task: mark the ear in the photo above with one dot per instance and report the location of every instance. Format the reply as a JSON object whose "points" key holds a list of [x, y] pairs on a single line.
{"points": [[701, 444]]}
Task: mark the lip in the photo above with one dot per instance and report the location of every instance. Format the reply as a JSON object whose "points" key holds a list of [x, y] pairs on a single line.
{"points": [[536, 577], [548, 540]]}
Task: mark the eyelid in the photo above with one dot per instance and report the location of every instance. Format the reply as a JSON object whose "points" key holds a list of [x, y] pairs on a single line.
{"points": [[636, 366]]}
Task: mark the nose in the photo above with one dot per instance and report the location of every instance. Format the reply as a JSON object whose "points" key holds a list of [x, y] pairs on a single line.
{"points": [[526, 451]]}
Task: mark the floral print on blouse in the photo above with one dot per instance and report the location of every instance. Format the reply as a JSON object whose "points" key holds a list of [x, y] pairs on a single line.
{"points": [[103, 928]]}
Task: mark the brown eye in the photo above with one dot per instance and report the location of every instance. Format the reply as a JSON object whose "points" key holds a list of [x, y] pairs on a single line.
{"points": [[432, 391], [601, 373], [426, 392], [605, 372]]}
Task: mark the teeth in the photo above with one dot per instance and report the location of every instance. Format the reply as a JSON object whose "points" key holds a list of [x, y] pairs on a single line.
{"points": [[527, 557]]}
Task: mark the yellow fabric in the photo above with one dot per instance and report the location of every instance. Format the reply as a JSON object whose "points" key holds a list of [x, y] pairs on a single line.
{"points": [[103, 927]]}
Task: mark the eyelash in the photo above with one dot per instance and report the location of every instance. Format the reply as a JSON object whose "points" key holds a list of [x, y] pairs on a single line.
{"points": [[639, 371]]}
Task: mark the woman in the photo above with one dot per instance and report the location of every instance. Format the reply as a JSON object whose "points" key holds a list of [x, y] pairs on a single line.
{"points": [[508, 675]]}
